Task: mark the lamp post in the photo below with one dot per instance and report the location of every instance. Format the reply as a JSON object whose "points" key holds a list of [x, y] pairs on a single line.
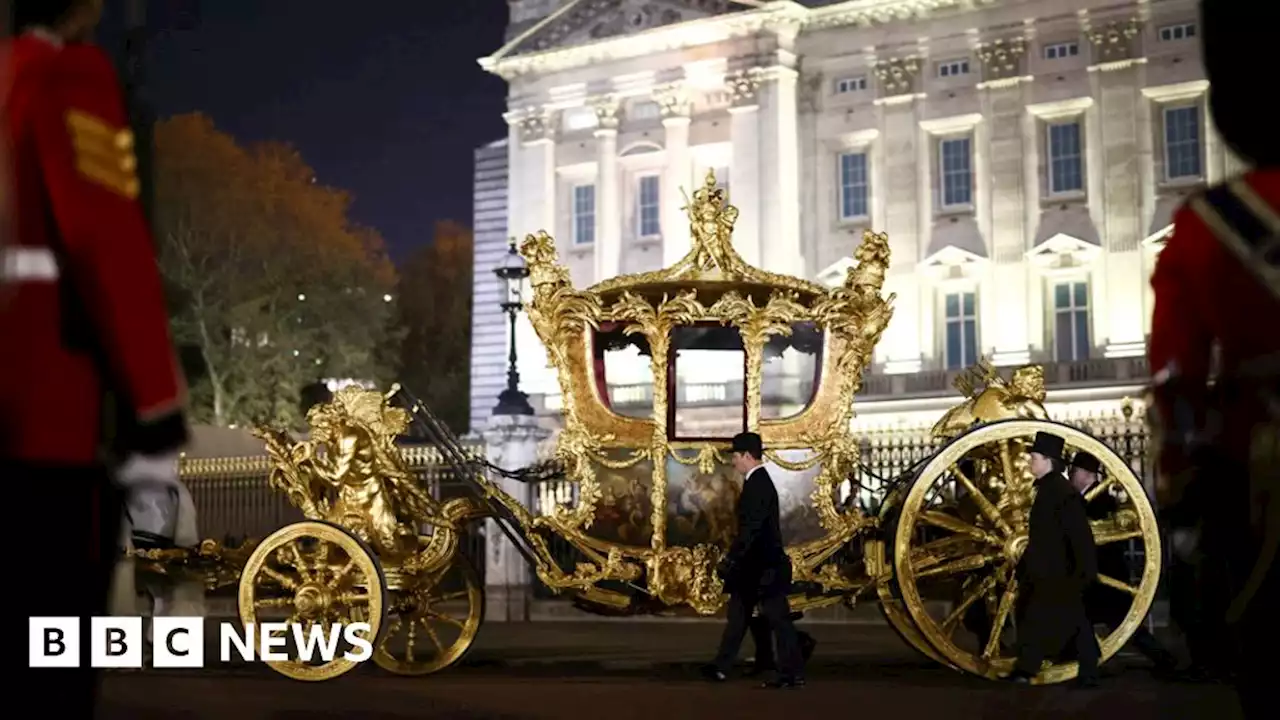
{"points": [[513, 273]]}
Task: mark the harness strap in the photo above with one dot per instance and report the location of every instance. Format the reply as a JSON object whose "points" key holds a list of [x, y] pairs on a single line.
{"points": [[1247, 225]]}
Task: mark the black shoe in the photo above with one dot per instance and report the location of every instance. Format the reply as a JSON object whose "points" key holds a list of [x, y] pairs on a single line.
{"points": [[807, 645], [784, 682], [713, 673]]}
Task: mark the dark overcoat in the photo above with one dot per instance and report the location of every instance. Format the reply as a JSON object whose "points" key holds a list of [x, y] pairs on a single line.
{"points": [[1059, 564], [757, 560]]}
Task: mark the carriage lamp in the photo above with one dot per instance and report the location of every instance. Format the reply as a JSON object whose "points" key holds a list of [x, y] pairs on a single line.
{"points": [[513, 273]]}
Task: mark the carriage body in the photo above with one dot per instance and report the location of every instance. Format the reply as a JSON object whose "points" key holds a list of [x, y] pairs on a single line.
{"points": [[656, 488]]}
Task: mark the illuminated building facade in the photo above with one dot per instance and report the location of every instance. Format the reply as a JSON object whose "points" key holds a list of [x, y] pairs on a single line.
{"points": [[1025, 158]]}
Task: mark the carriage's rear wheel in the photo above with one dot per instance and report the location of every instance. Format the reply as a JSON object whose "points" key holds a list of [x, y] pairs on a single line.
{"points": [[313, 576], [962, 529], [434, 620], [891, 605]]}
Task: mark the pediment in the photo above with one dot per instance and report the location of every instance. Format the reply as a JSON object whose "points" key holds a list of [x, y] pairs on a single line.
{"points": [[956, 247], [585, 21], [1062, 251]]}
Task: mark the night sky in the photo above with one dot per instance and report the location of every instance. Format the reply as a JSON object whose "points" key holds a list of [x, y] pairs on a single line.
{"points": [[383, 97]]}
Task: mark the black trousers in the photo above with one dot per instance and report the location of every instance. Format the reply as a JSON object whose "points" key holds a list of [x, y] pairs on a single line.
{"points": [[1050, 626], [776, 612], [762, 637], [67, 572]]}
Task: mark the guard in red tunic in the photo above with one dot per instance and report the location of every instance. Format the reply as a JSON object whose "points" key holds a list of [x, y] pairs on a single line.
{"points": [[1217, 283], [83, 322]]}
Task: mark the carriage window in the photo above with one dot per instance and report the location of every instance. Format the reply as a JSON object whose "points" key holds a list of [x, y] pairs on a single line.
{"points": [[624, 377], [789, 376], [708, 383]]}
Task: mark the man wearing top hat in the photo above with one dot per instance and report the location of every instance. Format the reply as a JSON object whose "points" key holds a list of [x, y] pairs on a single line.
{"points": [[1106, 605], [1057, 567], [757, 571]]}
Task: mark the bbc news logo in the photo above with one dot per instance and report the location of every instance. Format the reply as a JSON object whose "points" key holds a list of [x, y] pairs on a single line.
{"points": [[178, 642]]}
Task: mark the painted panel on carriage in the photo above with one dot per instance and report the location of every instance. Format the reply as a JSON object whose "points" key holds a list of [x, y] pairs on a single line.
{"points": [[624, 512]]}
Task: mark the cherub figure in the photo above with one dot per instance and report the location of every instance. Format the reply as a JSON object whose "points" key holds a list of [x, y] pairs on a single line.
{"points": [[711, 221]]}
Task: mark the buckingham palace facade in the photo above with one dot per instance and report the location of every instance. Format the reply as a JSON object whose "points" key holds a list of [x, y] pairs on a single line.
{"points": [[1025, 158]]}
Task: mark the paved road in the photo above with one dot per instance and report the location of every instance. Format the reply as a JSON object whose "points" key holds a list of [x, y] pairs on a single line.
{"points": [[647, 670]]}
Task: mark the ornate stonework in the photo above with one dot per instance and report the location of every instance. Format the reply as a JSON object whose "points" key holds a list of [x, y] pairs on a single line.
{"points": [[601, 19], [1115, 41], [535, 124], [673, 99], [897, 76], [809, 91], [743, 86], [1002, 59], [871, 13], [606, 109]]}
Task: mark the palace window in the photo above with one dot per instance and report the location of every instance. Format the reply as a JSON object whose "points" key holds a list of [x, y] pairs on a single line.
{"points": [[961, 330], [1071, 321], [952, 68], [1181, 31], [648, 208], [853, 185], [851, 84], [584, 214], [957, 174], [1058, 51], [1182, 142], [1065, 161]]}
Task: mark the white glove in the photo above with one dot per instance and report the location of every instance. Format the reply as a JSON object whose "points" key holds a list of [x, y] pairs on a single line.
{"points": [[151, 497]]}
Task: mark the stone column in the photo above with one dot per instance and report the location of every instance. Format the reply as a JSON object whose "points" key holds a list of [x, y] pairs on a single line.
{"points": [[515, 175], [608, 218], [533, 190], [676, 110], [780, 248], [511, 441], [744, 171], [1006, 321], [908, 210], [1117, 82]]}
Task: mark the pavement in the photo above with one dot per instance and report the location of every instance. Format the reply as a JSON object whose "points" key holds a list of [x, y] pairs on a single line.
{"points": [[648, 670]]}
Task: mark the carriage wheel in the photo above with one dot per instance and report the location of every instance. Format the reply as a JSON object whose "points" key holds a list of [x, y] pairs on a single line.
{"points": [[314, 574], [891, 605], [963, 527], [435, 620]]}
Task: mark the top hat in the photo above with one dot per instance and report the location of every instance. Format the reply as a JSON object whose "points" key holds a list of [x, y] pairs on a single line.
{"points": [[1086, 461], [748, 442], [1048, 445]]}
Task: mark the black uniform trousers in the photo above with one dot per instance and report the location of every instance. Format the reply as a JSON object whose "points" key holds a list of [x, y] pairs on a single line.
{"points": [[771, 597], [73, 520], [1052, 623]]}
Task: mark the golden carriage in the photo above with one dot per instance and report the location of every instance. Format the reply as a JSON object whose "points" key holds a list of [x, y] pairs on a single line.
{"points": [[653, 508]]}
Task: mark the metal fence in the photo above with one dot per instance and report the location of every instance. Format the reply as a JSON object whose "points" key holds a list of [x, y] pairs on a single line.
{"points": [[233, 500]]}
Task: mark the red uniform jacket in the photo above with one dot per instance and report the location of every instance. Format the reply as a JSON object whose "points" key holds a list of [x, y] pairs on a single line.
{"points": [[82, 309], [1218, 281]]}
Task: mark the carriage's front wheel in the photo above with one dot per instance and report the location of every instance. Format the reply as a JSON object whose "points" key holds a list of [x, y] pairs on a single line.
{"points": [[313, 576], [963, 527], [435, 620]]}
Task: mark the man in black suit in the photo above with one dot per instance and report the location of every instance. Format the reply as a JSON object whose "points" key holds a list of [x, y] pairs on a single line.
{"points": [[757, 571], [1106, 605], [1058, 565]]}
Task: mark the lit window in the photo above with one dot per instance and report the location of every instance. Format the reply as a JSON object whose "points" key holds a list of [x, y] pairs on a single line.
{"points": [[1065, 162], [851, 84], [584, 214], [1057, 51], [952, 68], [647, 210], [853, 185], [1071, 321], [957, 176], [962, 330], [1181, 31], [1182, 142]]}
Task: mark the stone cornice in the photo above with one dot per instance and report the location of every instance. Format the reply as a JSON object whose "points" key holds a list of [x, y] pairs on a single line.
{"points": [[783, 17]]}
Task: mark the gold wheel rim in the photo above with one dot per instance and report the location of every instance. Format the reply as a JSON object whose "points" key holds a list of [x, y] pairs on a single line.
{"points": [[413, 644], [1002, 545], [337, 581]]}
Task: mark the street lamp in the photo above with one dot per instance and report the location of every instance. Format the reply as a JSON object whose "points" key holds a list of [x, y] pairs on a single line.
{"points": [[513, 273]]}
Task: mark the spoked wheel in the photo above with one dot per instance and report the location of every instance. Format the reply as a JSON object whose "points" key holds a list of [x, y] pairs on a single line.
{"points": [[891, 605], [315, 575], [962, 530], [434, 621]]}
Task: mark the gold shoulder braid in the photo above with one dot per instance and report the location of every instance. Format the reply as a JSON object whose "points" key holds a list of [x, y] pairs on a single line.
{"points": [[104, 153]]}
